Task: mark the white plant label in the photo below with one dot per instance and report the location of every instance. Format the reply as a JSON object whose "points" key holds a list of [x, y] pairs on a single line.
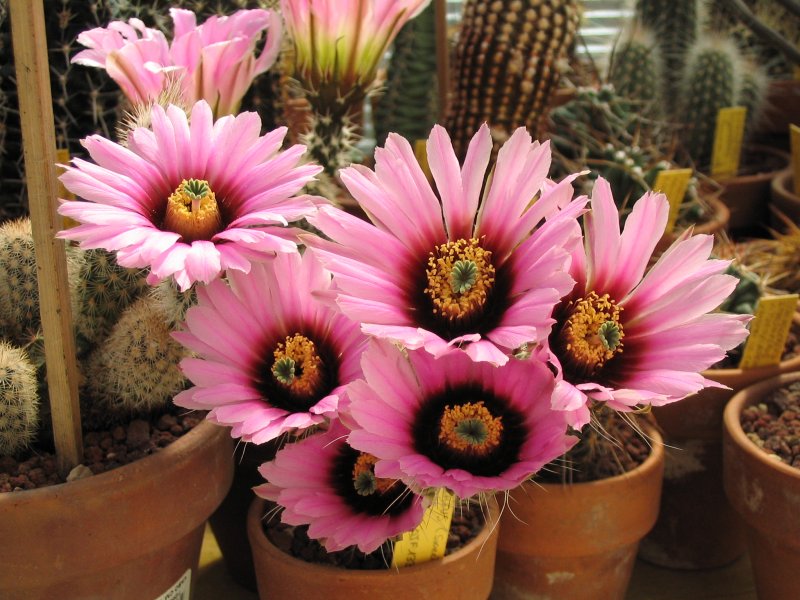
{"points": [[180, 590]]}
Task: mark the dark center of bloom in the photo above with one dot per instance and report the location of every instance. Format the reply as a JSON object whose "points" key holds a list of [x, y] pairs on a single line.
{"points": [[460, 281], [590, 336], [469, 428], [353, 477], [296, 372], [193, 212]]}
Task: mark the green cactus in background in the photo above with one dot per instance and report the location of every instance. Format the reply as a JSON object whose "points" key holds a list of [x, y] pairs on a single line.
{"points": [[711, 82], [508, 61], [84, 102], [745, 295], [19, 400], [104, 291], [171, 302], [752, 94], [135, 370], [636, 71], [409, 103], [675, 24]]}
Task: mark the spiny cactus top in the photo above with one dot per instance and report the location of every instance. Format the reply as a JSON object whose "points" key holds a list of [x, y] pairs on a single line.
{"points": [[189, 200]]}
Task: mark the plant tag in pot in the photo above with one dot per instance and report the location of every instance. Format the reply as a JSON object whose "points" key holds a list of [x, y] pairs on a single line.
{"points": [[794, 135], [428, 541], [768, 331], [728, 136], [673, 183]]}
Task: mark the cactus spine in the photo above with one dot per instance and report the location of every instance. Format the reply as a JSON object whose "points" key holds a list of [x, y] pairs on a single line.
{"points": [[508, 62], [409, 104], [636, 71], [19, 400]]}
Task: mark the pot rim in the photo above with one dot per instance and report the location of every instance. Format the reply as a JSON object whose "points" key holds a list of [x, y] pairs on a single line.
{"points": [[257, 537], [650, 464], [108, 482], [747, 397], [781, 181]]}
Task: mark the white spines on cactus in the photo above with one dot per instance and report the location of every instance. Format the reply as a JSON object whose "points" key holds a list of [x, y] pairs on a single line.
{"points": [[171, 302], [135, 371], [19, 400]]}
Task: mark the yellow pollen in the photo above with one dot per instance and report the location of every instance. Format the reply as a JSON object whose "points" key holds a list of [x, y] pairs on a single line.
{"points": [[365, 464], [308, 366], [443, 273], [195, 216], [470, 428], [593, 333]]}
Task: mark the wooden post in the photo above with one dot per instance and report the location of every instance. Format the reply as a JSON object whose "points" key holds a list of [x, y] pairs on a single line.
{"points": [[39, 148], [442, 56]]}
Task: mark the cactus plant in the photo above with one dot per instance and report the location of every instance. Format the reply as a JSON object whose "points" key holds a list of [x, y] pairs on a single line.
{"points": [[19, 400], [508, 62], [83, 102], [135, 370], [636, 72], [409, 103]]}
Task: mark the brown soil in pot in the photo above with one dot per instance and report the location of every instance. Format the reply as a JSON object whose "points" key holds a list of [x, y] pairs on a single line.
{"points": [[774, 425]]}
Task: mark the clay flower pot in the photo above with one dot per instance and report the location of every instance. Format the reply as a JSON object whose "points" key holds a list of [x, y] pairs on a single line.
{"points": [[717, 223], [785, 199], [579, 540], [697, 528], [465, 574], [766, 493], [747, 194], [131, 533]]}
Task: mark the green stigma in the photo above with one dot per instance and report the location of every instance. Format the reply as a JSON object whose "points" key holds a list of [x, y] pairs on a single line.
{"points": [[365, 483], [463, 276], [472, 431], [284, 370], [609, 335], [196, 188]]}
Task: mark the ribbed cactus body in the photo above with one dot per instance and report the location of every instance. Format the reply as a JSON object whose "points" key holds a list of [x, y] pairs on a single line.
{"points": [[409, 102], [752, 94], [171, 302], [710, 83], [507, 64], [134, 371], [636, 71], [19, 400], [675, 24], [85, 101]]}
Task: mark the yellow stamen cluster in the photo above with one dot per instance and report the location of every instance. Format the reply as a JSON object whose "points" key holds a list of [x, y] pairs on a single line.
{"points": [[308, 367], [192, 211], [365, 468], [470, 428], [453, 297], [593, 333]]}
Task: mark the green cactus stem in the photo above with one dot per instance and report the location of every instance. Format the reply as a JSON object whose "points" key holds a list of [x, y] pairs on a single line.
{"points": [[19, 400]]}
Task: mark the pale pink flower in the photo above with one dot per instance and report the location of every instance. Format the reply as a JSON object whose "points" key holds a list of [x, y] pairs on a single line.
{"points": [[215, 61], [630, 336], [463, 271], [452, 423], [273, 358], [324, 483], [189, 198]]}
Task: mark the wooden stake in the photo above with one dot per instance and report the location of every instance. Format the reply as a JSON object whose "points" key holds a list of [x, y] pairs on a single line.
{"points": [[442, 56], [39, 148]]}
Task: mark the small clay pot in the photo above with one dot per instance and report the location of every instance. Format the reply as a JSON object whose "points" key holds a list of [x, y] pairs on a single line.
{"points": [[717, 223], [784, 199], [782, 107], [766, 493], [577, 541], [697, 528], [131, 533], [466, 574], [747, 194]]}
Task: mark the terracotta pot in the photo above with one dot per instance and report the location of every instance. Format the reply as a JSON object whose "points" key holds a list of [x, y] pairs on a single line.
{"points": [[577, 541], [747, 194], [782, 107], [785, 199], [229, 521], [766, 493], [717, 223], [131, 533], [697, 528], [464, 575]]}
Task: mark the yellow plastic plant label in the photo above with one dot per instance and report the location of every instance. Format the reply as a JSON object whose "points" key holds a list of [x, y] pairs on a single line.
{"points": [[797, 72], [421, 152], [794, 135], [672, 183], [428, 540], [768, 331], [728, 136]]}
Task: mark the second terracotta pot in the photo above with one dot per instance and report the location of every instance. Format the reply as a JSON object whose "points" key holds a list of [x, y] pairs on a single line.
{"points": [[577, 541], [785, 199], [466, 574]]}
